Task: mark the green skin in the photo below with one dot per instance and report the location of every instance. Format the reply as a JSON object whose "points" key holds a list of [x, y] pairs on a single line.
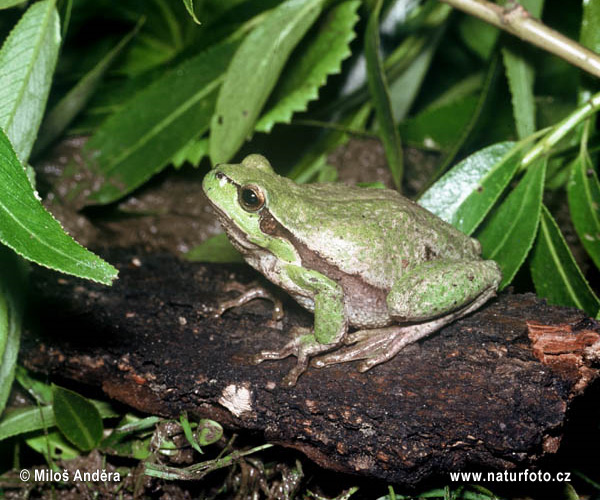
{"points": [[357, 257]]}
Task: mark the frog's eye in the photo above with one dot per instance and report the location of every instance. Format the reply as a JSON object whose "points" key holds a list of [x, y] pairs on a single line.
{"points": [[251, 198]]}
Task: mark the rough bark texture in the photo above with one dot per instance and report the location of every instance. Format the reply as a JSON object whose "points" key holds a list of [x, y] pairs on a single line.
{"points": [[490, 390]]}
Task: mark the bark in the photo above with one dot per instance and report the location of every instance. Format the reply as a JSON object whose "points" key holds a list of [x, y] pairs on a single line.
{"points": [[491, 390]]}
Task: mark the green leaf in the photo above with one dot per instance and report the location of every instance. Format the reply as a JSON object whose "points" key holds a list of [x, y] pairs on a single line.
{"points": [[63, 112], [253, 73], [509, 232], [131, 437], [27, 61], [380, 96], [27, 419], [187, 431], [320, 57], [53, 446], [6, 4], [189, 5], [215, 249], [583, 192], [209, 432], [555, 273], [27, 228], [479, 36], [140, 140], [589, 37], [39, 390], [442, 127], [77, 418], [466, 193], [35, 418], [404, 89], [192, 153], [12, 287], [314, 159], [520, 75]]}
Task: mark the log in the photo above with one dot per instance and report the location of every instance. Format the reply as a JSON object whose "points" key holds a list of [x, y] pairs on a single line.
{"points": [[492, 390]]}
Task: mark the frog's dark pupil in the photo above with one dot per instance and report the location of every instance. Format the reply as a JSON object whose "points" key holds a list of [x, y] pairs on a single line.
{"points": [[250, 199]]}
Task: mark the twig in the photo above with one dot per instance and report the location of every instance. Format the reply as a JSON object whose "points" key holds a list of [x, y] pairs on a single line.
{"points": [[516, 20], [561, 129]]}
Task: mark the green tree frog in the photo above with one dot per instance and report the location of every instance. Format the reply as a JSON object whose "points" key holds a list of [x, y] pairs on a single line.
{"points": [[362, 258]]}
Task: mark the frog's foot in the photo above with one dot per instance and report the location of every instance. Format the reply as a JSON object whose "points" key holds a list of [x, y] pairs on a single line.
{"points": [[382, 344], [304, 346], [246, 295]]}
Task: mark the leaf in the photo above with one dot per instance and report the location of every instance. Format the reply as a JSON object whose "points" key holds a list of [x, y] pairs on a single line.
{"points": [[140, 140], [35, 418], [215, 249], [63, 112], [380, 96], [131, 437], [187, 431], [320, 57], [509, 233], [589, 37], [27, 228], [583, 192], [479, 36], [404, 89], [441, 127], [77, 418], [253, 73], [466, 193], [555, 273], [27, 61], [314, 159], [6, 4], [192, 153], [12, 281], [53, 446], [209, 432], [520, 75], [37, 389], [189, 5]]}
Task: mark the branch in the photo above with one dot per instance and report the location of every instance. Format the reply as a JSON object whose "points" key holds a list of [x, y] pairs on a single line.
{"points": [[516, 20]]}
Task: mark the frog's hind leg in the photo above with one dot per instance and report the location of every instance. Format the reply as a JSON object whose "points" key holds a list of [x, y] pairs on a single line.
{"points": [[382, 344]]}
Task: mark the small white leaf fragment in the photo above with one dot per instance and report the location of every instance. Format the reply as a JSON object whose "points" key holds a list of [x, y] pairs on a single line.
{"points": [[236, 399]]}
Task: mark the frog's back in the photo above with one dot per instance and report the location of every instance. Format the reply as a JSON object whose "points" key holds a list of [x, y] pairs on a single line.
{"points": [[375, 233]]}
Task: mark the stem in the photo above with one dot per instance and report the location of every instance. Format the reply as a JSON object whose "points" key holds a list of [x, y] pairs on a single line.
{"points": [[560, 130], [516, 20]]}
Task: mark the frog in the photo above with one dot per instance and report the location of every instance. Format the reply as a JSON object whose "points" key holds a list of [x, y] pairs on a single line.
{"points": [[378, 271]]}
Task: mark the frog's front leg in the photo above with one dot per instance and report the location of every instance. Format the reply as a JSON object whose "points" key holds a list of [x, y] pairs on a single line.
{"points": [[247, 294], [431, 296], [330, 326]]}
